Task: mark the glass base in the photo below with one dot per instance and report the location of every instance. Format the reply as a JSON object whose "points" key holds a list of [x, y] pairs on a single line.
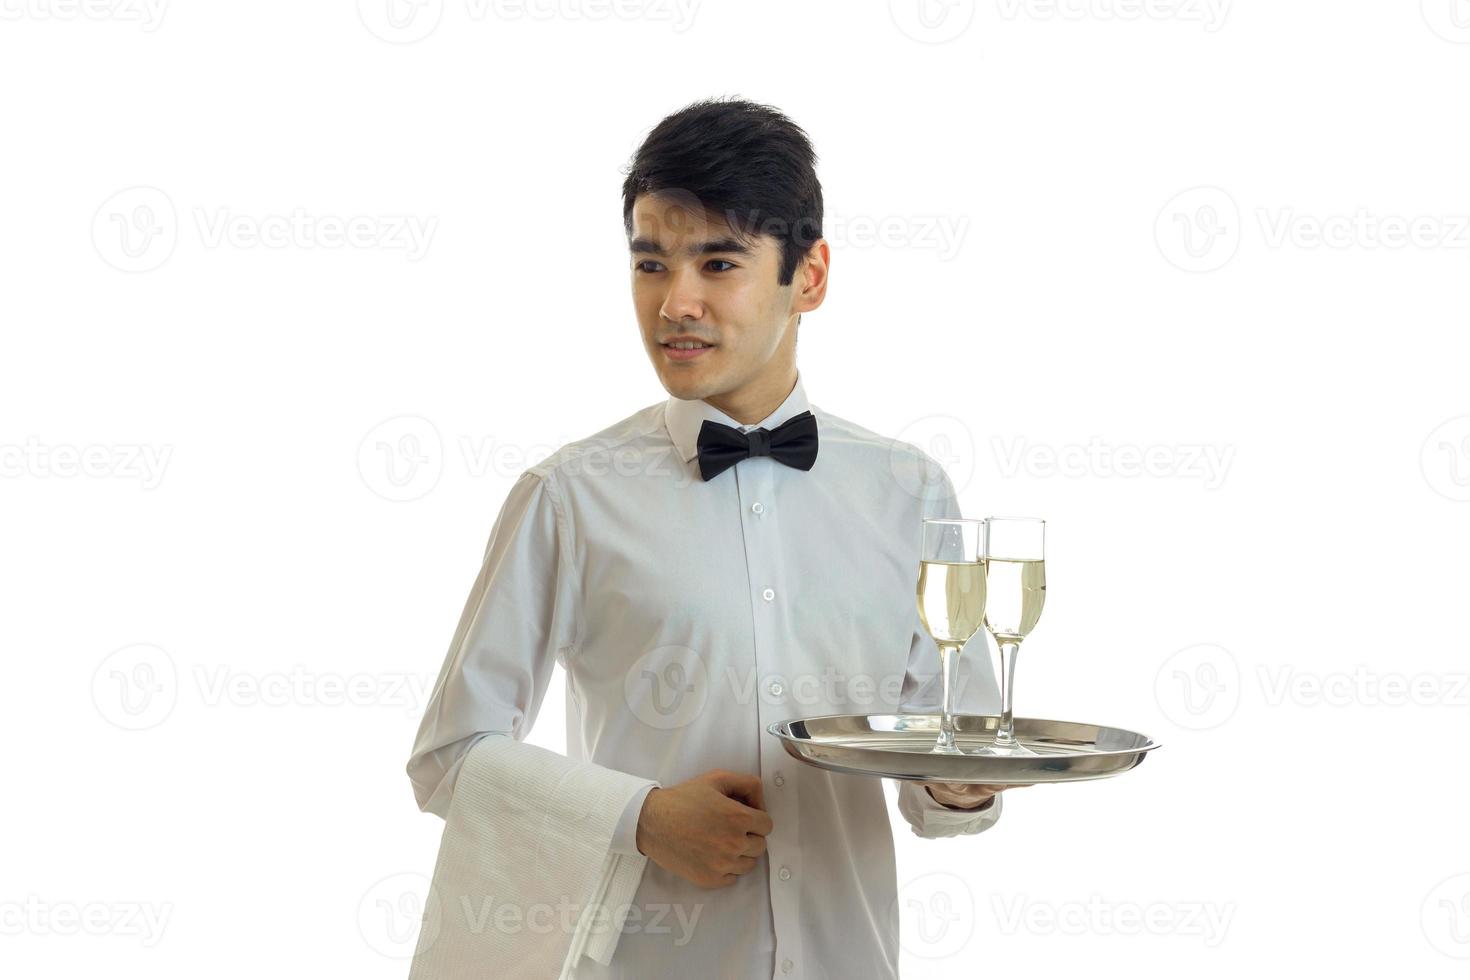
{"points": [[945, 744], [1010, 749]]}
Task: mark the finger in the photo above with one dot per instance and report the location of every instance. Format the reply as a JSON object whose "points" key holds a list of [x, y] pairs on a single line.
{"points": [[758, 793], [753, 792], [967, 795], [760, 822], [741, 786], [755, 845]]}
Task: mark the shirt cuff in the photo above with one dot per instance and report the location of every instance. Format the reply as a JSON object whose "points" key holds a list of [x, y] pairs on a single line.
{"points": [[625, 837]]}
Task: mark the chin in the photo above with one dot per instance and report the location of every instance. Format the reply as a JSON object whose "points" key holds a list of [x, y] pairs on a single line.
{"points": [[684, 388], [681, 385]]}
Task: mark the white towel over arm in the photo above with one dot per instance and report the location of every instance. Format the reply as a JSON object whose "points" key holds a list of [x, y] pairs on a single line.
{"points": [[526, 882]]}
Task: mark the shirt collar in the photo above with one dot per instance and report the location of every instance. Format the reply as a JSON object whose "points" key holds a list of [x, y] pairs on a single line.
{"points": [[684, 417]]}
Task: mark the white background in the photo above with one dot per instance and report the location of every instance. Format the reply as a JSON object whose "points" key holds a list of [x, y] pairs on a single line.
{"points": [[1229, 239]]}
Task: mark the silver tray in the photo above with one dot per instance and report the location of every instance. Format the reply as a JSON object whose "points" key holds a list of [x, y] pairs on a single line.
{"points": [[898, 746]]}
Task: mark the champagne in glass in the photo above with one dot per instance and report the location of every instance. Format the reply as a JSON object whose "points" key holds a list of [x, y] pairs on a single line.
{"points": [[1015, 583], [951, 599]]}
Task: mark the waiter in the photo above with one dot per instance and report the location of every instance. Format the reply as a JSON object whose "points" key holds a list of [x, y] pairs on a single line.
{"points": [[728, 558]]}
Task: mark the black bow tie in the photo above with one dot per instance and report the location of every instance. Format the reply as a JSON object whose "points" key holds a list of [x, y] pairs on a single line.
{"points": [[793, 442]]}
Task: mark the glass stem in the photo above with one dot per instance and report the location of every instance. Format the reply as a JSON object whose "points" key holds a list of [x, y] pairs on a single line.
{"points": [[949, 657], [1005, 734]]}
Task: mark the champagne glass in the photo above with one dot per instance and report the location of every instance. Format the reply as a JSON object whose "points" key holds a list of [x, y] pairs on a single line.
{"points": [[951, 598], [1015, 585]]}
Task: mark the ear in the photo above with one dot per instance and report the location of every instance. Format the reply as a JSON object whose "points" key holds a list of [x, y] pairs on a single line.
{"points": [[811, 277]]}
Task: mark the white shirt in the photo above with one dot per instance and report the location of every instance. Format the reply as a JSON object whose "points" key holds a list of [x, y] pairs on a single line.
{"points": [[689, 616]]}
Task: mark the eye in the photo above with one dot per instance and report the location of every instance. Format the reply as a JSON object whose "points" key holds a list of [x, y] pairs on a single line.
{"points": [[721, 262], [638, 266]]}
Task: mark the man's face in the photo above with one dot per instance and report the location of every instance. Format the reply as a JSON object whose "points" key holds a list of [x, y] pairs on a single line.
{"points": [[693, 277]]}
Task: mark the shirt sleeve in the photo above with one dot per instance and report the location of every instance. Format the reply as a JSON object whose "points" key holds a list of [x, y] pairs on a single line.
{"points": [[519, 621], [976, 693]]}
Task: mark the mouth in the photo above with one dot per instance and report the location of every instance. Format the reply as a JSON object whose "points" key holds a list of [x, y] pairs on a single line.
{"points": [[686, 350]]}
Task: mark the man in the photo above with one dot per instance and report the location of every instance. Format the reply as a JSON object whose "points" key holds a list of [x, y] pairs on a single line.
{"points": [[731, 557]]}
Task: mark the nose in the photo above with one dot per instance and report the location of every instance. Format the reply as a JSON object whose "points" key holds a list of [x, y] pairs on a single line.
{"points": [[683, 300]]}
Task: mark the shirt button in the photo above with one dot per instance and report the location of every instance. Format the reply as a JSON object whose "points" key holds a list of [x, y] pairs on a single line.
{"points": [[786, 966], [768, 594], [785, 874], [776, 689], [780, 780], [758, 507]]}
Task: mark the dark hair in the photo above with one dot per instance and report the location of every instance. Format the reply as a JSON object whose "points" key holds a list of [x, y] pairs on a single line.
{"points": [[747, 163]]}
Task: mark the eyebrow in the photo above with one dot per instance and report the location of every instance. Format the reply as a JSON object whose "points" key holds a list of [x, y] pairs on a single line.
{"points": [[641, 246]]}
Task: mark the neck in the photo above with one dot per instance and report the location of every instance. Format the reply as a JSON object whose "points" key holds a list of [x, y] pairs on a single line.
{"points": [[754, 401]]}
